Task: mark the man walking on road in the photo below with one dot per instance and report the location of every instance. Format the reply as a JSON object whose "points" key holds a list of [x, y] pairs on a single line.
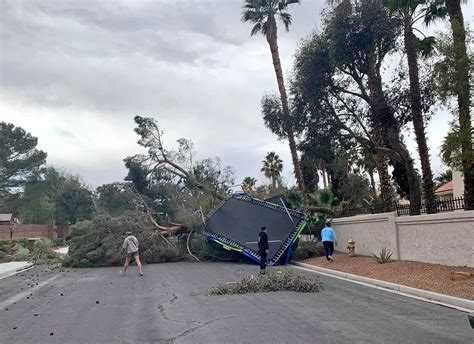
{"points": [[263, 248], [130, 245], [328, 237]]}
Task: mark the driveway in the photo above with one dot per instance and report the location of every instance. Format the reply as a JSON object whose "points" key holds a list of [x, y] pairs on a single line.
{"points": [[169, 305]]}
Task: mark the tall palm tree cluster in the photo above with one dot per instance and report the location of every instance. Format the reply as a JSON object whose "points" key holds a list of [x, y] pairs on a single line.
{"points": [[341, 101]]}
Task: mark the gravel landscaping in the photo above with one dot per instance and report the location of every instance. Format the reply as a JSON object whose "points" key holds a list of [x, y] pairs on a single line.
{"points": [[431, 277]]}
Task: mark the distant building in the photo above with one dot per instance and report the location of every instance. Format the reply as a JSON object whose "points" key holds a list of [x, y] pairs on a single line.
{"points": [[445, 191], [6, 219]]}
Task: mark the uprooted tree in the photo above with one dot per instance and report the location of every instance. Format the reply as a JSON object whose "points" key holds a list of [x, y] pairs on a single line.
{"points": [[162, 201], [198, 185]]}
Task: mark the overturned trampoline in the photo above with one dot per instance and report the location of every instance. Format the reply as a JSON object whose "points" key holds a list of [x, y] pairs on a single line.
{"points": [[235, 223]]}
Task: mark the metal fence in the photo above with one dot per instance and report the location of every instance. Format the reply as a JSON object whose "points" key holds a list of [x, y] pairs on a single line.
{"points": [[450, 204]]}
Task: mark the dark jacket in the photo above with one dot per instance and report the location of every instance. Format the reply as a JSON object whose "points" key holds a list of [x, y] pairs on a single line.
{"points": [[262, 241]]}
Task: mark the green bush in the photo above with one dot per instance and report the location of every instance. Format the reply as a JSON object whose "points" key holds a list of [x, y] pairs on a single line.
{"points": [[308, 249], [43, 252], [23, 242], [2, 254], [22, 254], [98, 242], [383, 256], [270, 282], [58, 242]]}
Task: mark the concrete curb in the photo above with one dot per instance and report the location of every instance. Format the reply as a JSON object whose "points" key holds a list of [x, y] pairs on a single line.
{"points": [[15, 271], [449, 301]]}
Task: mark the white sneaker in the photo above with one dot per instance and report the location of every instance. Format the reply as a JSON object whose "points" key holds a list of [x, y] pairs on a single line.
{"points": [[122, 273], [331, 258]]}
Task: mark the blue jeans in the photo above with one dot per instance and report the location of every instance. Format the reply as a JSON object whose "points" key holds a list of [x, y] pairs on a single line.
{"points": [[328, 248]]}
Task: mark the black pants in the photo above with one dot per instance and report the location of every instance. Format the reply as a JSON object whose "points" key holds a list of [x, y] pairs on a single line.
{"points": [[328, 248], [263, 259]]}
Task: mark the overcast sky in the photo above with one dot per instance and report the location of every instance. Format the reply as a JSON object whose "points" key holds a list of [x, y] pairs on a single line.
{"points": [[75, 73]]}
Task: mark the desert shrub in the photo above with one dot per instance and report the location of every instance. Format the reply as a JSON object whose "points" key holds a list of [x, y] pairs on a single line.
{"points": [[383, 256], [22, 254], [270, 282], [308, 249]]}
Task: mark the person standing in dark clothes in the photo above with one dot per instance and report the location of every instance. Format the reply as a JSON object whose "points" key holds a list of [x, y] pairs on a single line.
{"points": [[263, 248]]}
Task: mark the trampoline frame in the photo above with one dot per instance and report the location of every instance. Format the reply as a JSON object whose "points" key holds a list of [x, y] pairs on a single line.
{"points": [[252, 254]]}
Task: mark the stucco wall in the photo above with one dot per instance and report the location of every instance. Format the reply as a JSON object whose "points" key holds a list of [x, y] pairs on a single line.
{"points": [[444, 238], [371, 232]]}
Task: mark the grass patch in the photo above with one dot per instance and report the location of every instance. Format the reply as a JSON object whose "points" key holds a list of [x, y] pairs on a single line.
{"points": [[270, 282]]}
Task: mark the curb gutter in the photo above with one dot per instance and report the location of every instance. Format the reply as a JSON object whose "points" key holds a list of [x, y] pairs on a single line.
{"points": [[15, 271], [449, 301]]}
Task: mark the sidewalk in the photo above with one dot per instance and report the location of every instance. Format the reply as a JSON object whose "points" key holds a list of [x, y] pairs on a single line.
{"points": [[442, 299], [8, 269]]}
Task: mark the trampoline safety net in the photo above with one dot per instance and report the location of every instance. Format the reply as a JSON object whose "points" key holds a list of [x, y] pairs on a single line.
{"points": [[236, 222]]}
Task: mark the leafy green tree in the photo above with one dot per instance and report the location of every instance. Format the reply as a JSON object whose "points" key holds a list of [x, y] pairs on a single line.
{"points": [[272, 167], [262, 14], [19, 158], [338, 77], [309, 169], [74, 203], [37, 202], [116, 199]]}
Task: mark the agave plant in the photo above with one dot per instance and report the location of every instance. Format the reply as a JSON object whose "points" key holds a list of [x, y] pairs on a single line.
{"points": [[383, 256]]}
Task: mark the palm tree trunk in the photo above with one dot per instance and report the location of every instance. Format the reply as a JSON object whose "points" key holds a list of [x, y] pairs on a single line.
{"points": [[382, 170], [461, 66], [417, 114], [384, 118], [272, 40]]}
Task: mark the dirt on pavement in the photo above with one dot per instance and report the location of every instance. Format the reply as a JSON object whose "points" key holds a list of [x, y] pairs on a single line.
{"points": [[431, 277]]}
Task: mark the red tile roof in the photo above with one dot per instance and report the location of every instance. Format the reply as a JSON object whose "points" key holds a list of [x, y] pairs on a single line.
{"points": [[445, 187]]}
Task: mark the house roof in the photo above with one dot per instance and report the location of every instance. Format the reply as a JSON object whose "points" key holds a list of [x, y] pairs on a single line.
{"points": [[5, 217], [445, 187]]}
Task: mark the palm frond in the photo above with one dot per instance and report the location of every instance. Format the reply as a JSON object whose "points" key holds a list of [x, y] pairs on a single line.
{"points": [[256, 29], [286, 19], [435, 11]]}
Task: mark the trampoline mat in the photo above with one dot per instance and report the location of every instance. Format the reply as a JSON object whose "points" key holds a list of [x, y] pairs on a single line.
{"points": [[240, 221]]}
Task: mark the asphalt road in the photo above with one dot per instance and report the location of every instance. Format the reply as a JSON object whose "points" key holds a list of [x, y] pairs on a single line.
{"points": [[169, 305]]}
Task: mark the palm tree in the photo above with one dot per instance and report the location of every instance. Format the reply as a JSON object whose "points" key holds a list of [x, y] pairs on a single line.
{"points": [[262, 14], [410, 13], [272, 167], [249, 183], [452, 8]]}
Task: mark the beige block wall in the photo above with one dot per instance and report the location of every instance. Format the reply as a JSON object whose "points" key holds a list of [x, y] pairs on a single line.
{"points": [[371, 233], [445, 238]]}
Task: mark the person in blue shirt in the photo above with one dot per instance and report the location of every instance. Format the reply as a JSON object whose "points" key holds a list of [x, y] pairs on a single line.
{"points": [[328, 237]]}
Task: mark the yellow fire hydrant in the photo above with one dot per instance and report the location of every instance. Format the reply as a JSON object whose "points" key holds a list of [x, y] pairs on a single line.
{"points": [[351, 247]]}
